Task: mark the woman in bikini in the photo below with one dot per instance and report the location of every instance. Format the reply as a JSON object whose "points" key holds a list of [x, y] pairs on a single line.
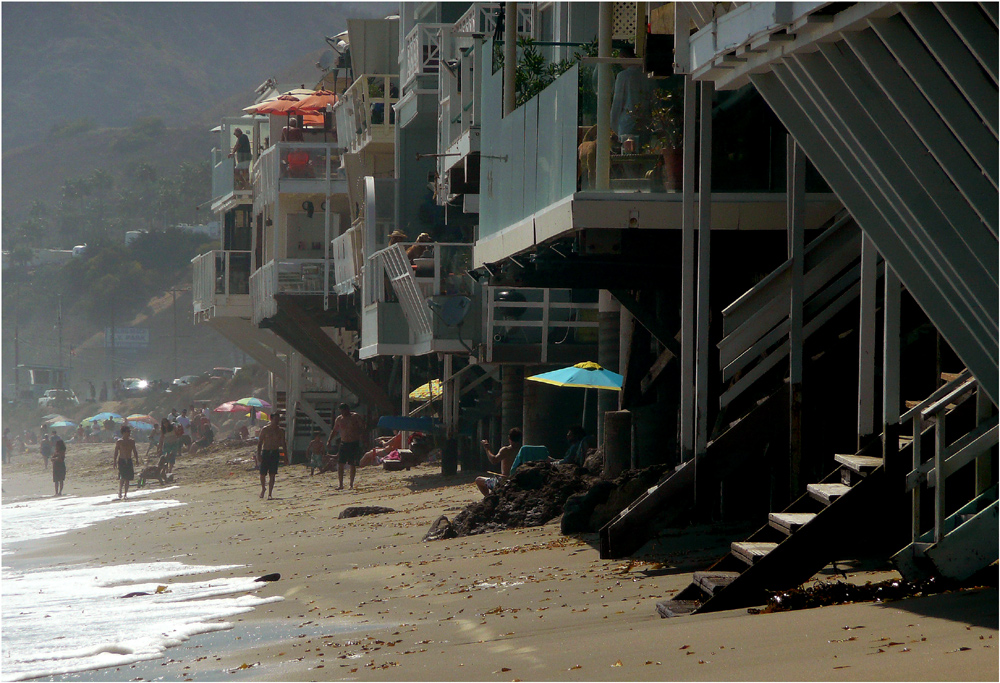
{"points": [[126, 457]]}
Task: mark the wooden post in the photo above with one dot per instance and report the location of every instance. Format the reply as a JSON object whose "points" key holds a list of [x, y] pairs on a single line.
{"points": [[866, 342], [607, 353], [984, 463], [890, 369], [704, 259], [687, 416], [605, 88], [512, 399], [795, 195], [617, 443]]}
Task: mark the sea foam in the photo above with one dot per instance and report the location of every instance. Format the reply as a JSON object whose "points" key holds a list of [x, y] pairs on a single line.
{"points": [[72, 618]]}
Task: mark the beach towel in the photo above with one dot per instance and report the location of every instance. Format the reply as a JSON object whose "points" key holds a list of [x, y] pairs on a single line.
{"points": [[529, 454]]}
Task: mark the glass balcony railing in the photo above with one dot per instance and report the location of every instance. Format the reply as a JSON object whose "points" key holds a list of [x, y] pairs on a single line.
{"points": [[364, 112], [219, 275], [287, 276], [226, 177], [547, 149]]}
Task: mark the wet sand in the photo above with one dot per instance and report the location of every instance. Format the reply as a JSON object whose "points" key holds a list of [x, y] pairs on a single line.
{"points": [[366, 599]]}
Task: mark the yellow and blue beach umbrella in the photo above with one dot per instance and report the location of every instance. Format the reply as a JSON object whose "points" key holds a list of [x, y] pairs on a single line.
{"points": [[586, 375], [431, 391]]}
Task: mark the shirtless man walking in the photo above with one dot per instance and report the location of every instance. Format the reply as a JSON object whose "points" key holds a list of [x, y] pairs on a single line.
{"points": [[125, 458], [350, 426], [270, 441]]}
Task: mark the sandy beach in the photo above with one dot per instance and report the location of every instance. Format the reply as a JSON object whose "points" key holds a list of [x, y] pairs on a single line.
{"points": [[366, 599]]}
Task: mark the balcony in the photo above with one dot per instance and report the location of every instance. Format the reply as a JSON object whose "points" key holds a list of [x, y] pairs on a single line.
{"points": [[221, 284], [298, 167], [481, 18], [531, 325], [304, 277], [423, 51], [542, 159], [365, 114], [229, 184], [399, 301]]}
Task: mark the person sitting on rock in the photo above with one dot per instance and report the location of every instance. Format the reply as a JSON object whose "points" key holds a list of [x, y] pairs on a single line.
{"points": [[577, 451], [505, 456]]}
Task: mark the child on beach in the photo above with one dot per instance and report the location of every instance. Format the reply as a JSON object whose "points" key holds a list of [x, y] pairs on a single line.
{"points": [[317, 449], [125, 458], [59, 466]]}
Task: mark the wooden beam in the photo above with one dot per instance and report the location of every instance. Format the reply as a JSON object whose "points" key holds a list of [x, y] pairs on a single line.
{"points": [[648, 319], [655, 372]]}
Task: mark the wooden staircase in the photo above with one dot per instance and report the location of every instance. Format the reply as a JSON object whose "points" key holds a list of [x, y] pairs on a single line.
{"points": [[303, 425], [304, 334], [860, 506], [796, 542]]}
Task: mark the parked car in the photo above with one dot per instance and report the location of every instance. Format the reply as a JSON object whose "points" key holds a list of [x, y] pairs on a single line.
{"points": [[219, 373], [58, 398], [135, 386], [187, 381]]}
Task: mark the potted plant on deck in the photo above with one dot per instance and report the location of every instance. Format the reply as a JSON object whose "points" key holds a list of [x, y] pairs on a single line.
{"points": [[666, 127]]}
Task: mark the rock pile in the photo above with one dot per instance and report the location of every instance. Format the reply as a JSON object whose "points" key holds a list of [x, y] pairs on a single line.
{"points": [[539, 492]]}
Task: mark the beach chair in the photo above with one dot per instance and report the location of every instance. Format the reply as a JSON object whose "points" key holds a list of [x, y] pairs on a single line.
{"points": [[529, 454]]}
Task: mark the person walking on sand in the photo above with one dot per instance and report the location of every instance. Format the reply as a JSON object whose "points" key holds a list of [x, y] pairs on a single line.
{"points": [[126, 457], [8, 445], [270, 441], [59, 466], [350, 426], [46, 449], [317, 449]]}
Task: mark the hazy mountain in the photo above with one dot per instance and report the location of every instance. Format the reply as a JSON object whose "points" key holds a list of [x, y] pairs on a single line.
{"points": [[114, 62], [75, 75]]}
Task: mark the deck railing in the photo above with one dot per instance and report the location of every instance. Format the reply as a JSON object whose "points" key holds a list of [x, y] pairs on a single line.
{"points": [[364, 112], [423, 51], [347, 260], [441, 270], [286, 276], [538, 317], [481, 17]]}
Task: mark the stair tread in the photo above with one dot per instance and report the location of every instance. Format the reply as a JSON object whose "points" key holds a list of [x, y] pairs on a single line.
{"points": [[676, 608], [858, 463], [790, 521], [827, 493], [751, 551], [711, 581]]}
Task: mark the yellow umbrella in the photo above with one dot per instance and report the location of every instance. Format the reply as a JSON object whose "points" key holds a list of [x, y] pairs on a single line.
{"points": [[428, 392]]}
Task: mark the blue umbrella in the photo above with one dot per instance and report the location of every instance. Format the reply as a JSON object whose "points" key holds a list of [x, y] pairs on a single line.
{"points": [[586, 375], [63, 423], [101, 417], [139, 426]]}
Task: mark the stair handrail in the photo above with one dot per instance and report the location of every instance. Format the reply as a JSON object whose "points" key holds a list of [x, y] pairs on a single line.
{"points": [[756, 321], [947, 458], [941, 391]]}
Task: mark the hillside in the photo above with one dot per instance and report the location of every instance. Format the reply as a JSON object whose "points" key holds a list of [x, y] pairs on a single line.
{"points": [[76, 75], [116, 62]]}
